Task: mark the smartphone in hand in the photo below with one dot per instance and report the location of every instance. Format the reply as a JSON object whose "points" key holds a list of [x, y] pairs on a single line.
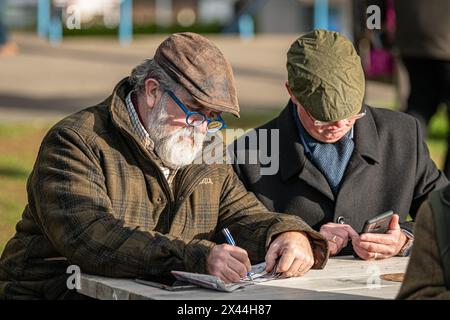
{"points": [[378, 224]]}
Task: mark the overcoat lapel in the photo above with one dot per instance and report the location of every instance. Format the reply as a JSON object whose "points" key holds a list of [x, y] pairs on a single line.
{"points": [[292, 156]]}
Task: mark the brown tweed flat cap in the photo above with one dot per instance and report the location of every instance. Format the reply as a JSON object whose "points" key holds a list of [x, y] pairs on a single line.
{"points": [[200, 67]]}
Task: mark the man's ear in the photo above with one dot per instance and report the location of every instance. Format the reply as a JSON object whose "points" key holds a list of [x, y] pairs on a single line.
{"points": [[290, 92], [151, 92]]}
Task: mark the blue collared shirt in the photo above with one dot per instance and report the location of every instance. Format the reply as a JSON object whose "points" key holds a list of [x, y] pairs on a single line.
{"points": [[330, 159]]}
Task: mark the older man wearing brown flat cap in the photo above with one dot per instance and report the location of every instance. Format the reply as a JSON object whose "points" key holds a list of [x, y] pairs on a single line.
{"points": [[114, 189]]}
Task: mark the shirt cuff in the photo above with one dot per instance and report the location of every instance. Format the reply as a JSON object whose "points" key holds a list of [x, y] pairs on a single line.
{"points": [[406, 249]]}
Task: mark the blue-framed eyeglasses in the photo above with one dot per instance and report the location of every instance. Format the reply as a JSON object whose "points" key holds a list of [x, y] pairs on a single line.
{"points": [[195, 119]]}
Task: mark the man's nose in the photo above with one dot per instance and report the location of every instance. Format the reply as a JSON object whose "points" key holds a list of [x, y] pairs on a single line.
{"points": [[203, 127], [340, 123]]}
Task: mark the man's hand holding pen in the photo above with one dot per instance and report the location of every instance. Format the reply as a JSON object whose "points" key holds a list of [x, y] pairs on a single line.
{"points": [[229, 263], [290, 254]]}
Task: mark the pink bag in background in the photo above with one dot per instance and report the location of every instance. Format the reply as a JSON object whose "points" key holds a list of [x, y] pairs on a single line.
{"points": [[381, 63], [380, 59]]}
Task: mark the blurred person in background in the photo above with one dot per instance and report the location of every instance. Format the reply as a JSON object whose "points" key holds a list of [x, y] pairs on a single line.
{"points": [[428, 272], [7, 46], [423, 39]]}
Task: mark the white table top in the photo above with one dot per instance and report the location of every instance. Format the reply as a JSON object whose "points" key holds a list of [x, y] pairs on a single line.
{"points": [[343, 278]]}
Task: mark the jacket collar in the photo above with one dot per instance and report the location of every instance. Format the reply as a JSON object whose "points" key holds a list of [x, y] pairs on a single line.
{"points": [[118, 109], [292, 152], [367, 140]]}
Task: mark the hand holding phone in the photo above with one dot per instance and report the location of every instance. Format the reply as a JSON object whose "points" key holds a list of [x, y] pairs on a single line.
{"points": [[382, 238], [378, 224]]}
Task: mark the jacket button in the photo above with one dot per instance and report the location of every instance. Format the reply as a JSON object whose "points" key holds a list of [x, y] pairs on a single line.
{"points": [[158, 199], [341, 220], [181, 198]]}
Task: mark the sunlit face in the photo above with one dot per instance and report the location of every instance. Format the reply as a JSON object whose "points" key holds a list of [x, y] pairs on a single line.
{"points": [[328, 133], [176, 143]]}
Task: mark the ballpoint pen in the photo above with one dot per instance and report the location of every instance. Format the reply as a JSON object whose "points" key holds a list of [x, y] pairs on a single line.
{"points": [[231, 241]]}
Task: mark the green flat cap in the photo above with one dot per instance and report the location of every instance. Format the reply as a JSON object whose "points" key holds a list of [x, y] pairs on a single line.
{"points": [[200, 67], [325, 75]]}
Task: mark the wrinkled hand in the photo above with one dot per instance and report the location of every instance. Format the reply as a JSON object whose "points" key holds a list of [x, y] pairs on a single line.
{"points": [[294, 253], [337, 235], [374, 246], [229, 263]]}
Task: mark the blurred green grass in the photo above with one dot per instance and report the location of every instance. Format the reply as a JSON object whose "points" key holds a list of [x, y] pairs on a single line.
{"points": [[138, 29], [20, 142], [439, 124]]}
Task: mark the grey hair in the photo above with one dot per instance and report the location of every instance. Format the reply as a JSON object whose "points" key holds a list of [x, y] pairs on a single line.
{"points": [[149, 69]]}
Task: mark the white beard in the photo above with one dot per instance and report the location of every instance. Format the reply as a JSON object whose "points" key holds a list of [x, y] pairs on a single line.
{"points": [[172, 147]]}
